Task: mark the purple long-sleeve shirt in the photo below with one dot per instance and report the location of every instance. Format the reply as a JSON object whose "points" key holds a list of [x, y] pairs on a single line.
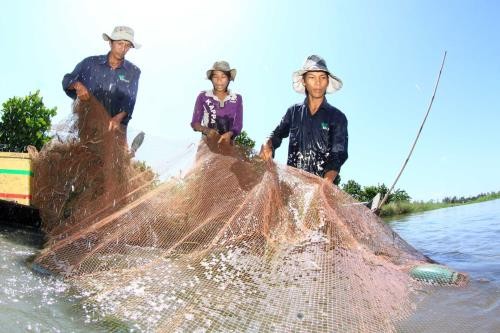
{"points": [[224, 116]]}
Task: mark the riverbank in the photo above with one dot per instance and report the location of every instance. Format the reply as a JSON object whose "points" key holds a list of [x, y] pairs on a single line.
{"points": [[399, 208]]}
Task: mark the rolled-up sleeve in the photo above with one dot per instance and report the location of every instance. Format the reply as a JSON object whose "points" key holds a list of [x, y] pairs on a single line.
{"points": [[71, 78], [338, 144], [282, 130]]}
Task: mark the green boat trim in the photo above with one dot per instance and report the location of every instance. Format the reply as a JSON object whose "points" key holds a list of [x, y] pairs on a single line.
{"points": [[16, 172]]}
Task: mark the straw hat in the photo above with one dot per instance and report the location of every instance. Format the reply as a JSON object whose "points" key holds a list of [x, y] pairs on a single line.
{"points": [[222, 66]]}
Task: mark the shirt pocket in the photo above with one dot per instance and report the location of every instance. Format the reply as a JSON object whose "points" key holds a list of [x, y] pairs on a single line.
{"points": [[322, 138]]}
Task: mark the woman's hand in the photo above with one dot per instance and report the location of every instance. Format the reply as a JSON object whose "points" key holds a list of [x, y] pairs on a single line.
{"points": [[211, 134], [225, 138]]}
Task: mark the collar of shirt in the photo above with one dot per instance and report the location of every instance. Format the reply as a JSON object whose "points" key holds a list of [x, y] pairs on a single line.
{"points": [[103, 60], [324, 105], [230, 97]]}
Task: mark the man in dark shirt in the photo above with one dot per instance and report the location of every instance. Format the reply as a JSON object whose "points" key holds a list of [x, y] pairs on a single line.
{"points": [[110, 78], [317, 130]]}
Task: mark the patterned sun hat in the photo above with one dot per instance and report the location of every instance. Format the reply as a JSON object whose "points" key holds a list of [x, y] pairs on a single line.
{"points": [[315, 63]]}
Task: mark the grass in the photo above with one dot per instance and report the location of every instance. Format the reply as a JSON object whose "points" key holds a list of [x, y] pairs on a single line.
{"points": [[405, 207]]}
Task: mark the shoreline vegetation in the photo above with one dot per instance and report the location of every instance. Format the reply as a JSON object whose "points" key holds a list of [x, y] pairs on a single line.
{"points": [[401, 208], [399, 202]]}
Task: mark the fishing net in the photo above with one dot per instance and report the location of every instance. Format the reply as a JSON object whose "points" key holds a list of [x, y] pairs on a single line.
{"points": [[85, 173], [234, 245]]}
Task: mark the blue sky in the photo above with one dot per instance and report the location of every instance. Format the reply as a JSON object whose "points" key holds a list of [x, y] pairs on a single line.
{"points": [[387, 53]]}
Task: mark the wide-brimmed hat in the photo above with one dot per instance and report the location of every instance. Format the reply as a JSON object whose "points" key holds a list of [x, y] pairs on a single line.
{"points": [[315, 63], [222, 66], [122, 33]]}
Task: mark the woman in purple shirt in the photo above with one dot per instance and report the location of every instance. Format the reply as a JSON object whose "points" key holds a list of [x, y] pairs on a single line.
{"points": [[219, 111]]}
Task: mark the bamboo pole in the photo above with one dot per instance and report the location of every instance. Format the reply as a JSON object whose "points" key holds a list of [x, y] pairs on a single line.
{"points": [[416, 139]]}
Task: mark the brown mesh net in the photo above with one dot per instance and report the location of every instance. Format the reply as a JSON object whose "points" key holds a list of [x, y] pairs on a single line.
{"points": [[236, 245], [85, 173]]}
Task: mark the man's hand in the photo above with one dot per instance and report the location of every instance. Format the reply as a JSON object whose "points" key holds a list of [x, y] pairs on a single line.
{"points": [[330, 176], [225, 138], [81, 91], [266, 151], [114, 124]]}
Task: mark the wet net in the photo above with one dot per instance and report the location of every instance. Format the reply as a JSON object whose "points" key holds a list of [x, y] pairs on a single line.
{"points": [[235, 245]]}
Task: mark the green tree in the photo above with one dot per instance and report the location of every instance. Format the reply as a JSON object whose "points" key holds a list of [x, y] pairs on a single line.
{"points": [[369, 192], [353, 188], [25, 121], [400, 195]]}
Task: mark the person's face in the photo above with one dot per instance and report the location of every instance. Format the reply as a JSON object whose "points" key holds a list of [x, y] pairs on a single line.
{"points": [[220, 81], [316, 83], [119, 48]]}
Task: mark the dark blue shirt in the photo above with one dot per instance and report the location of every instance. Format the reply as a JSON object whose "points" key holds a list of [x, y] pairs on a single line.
{"points": [[318, 143], [116, 88]]}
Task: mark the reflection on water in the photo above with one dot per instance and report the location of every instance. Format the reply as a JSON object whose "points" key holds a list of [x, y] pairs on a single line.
{"points": [[465, 238], [31, 302]]}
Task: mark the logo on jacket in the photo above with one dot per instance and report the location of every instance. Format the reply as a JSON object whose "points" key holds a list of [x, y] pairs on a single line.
{"points": [[324, 125], [122, 78]]}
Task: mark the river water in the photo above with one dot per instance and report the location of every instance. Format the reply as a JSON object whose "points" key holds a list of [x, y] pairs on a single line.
{"points": [[466, 238], [32, 302]]}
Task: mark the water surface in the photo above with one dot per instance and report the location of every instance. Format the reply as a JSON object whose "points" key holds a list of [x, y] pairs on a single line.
{"points": [[466, 238]]}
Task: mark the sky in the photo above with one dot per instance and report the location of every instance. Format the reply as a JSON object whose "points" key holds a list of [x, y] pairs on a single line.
{"points": [[387, 53]]}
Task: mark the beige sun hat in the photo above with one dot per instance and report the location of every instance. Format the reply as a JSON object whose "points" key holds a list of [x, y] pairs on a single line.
{"points": [[222, 66], [315, 63], [122, 33]]}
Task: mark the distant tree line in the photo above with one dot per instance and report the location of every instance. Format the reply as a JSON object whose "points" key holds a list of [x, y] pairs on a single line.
{"points": [[462, 199], [367, 193]]}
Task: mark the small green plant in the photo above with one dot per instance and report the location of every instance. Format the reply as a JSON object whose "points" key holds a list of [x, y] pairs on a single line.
{"points": [[147, 171], [246, 144]]}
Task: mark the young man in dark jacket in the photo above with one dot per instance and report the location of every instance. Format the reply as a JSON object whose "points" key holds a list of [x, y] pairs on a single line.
{"points": [[111, 78], [317, 130]]}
